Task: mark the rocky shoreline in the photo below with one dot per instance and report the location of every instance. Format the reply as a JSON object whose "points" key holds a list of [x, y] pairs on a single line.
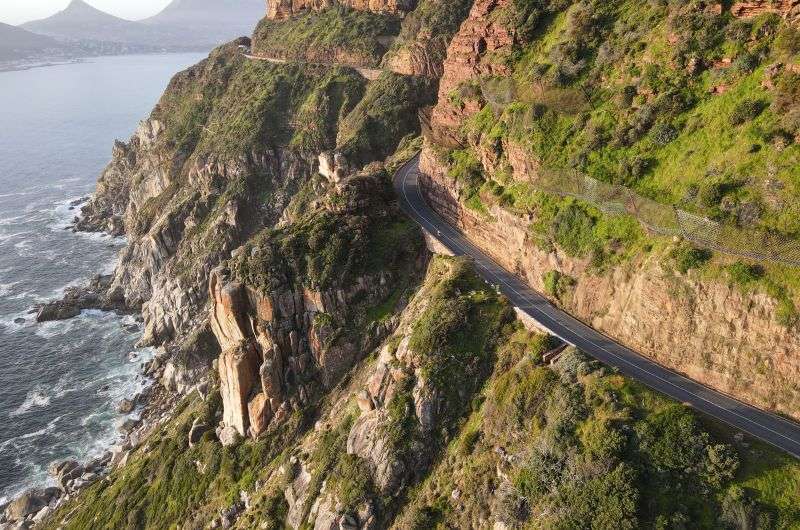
{"points": [[156, 402], [71, 476]]}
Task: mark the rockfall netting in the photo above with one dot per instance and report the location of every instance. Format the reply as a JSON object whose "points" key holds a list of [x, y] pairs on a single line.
{"points": [[668, 220]]}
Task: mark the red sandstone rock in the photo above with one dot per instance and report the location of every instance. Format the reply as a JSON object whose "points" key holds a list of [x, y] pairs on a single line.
{"points": [[789, 9], [238, 370], [475, 51]]}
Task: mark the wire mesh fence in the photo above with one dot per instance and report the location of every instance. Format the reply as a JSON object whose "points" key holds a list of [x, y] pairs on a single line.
{"points": [[666, 220]]}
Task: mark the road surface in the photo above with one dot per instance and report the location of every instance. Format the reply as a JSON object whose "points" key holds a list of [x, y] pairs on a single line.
{"points": [[371, 74], [773, 429]]}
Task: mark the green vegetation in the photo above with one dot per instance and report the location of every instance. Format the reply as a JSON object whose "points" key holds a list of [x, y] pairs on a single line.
{"points": [[583, 448], [329, 248], [687, 257], [557, 284], [386, 114], [319, 116], [426, 31], [171, 483], [335, 35], [455, 334]]}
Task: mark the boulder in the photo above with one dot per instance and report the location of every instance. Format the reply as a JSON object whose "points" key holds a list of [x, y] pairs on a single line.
{"points": [[366, 440], [296, 494], [57, 311], [364, 401], [125, 406], [65, 471], [238, 370], [228, 436], [259, 414], [127, 426], [42, 514], [30, 502]]}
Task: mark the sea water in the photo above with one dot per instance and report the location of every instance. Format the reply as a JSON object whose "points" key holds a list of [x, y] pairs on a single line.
{"points": [[60, 381]]}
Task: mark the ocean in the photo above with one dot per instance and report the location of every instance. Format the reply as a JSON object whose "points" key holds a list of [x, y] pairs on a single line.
{"points": [[60, 382]]}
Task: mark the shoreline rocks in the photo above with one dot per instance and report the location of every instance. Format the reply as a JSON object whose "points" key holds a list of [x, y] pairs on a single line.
{"points": [[95, 295]]}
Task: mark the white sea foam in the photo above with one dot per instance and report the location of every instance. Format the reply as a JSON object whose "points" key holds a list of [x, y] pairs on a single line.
{"points": [[9, 324], [36, 399], [56, 328], [6, 221], [6, 288]]}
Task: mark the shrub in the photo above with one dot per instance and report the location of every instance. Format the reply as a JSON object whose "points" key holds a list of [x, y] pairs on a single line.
{"points": [[557, 284], [746, 110], [739, 510], [687, 258], [663, 133], [572, 230], [721, 464], [673, 440], [788, 40], [745, 63], [743, 275], [466, 168], [633, 169]]}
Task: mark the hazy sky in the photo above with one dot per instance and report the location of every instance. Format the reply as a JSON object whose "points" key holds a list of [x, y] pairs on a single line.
{"points": [[19, 11]]}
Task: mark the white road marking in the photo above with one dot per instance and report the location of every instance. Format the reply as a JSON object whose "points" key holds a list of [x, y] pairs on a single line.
{"points": [[620, 358]]}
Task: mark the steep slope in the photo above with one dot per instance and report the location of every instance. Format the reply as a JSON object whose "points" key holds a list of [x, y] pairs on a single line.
{"points": [[554, 119], [328, 372], [454, 422]]}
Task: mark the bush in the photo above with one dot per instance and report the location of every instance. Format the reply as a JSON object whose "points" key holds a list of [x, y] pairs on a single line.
{"points": [[573, 230], [673, 440], [746, 110], [721, 464], [557, 284], [466, 168], [743, 275], [739, 510], [687, 258], [663, 133], [788, 40]]}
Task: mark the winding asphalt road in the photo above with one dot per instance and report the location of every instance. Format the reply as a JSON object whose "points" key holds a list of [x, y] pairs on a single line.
{"points": [[777, 431]]}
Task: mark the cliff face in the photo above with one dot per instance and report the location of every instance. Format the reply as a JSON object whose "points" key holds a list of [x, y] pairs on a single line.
{"points": [[290, 333], [789, 9], [709, 330], [478, 49], [490, 140]]}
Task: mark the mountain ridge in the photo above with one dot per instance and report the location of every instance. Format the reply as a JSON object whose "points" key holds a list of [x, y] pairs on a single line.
{"points": [[181, 25]]}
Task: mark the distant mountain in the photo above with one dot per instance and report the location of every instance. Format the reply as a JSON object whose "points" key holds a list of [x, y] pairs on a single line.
{"points": [[218, 20], [82, 22], [17, 43], [183, 24]]}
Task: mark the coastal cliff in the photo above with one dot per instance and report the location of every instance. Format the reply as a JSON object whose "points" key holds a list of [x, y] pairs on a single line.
{"points": [[324, 368]]}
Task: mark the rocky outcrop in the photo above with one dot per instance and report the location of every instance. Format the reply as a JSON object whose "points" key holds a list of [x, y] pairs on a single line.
{"points": [[95, 295], [286, 336], [709, 330], [333, 166], [135, 161], [478, 49], [421, 47], [238, 374], [277, 344], [282, 9], [789, 9]]}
